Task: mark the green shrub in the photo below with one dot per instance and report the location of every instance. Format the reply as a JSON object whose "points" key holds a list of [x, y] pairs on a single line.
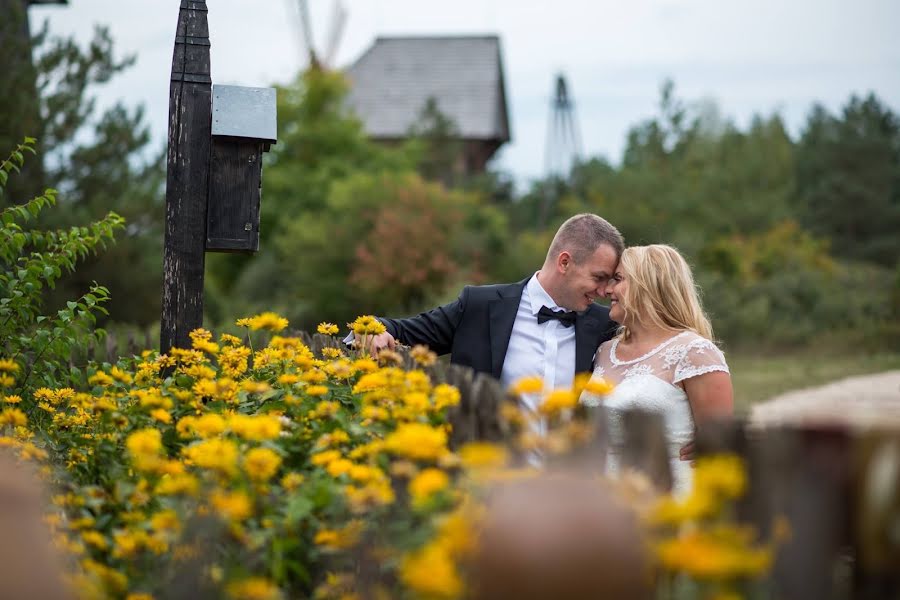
{"points": [[41, 345]]}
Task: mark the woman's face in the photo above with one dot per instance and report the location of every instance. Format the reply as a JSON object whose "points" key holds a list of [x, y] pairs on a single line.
{"points": [[615, 291]]}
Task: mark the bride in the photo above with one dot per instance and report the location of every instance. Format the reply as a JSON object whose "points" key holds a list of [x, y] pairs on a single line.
{"points": [[663, 359]]}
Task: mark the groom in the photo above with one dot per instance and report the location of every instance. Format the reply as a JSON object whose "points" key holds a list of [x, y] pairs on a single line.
{"points": [[546, 325]]}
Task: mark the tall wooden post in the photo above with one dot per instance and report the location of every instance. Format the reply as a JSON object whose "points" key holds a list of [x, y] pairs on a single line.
{"points": [[187, 175]]}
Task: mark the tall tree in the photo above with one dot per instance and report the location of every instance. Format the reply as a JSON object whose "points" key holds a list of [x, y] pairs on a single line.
{"points": [[99, 160], [848, 175]]}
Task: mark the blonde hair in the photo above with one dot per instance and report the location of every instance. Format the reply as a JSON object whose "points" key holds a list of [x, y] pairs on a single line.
{"points": [[662, 291]]}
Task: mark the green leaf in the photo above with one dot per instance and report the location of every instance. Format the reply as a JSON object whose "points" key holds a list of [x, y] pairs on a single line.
{"points": [[298, 508]]}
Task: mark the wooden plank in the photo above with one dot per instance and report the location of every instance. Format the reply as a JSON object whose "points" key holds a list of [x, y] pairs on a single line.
{"points": [[646, 449], [875, 504]]}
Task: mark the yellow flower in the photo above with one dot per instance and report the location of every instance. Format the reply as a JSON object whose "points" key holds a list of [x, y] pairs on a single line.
{"points": [[376, 413], [288, 379], [721, 474], [598, 386], [233, 506], [704, 557], [373, 494], [166, 520], [367, 325], [314, 376], [457, 531], [145, 446], [338, 467], [528, 385], [316, 390], [100, 378], [161, 415], [431, 572], [426, 484], [95, 539], [417, 441], [208, 425], [128, 542], [292, 481], [366, 365], [216, 454], [12, 399], [139, 596], [340, 539], [326, 409], [230, 340], [698, 504], [332, 352], [201, 340], [335, 438], [323, 458], [253, 588], [111, 579], [175, 485], [120, 375], [327, 329], [416, 402], [365, 473], [481, 455], [423, 355], [261, 464], [255, 428], [7, 365], [370, 382], [255, 387], [445, 396], [557, 401], [267, 320]]}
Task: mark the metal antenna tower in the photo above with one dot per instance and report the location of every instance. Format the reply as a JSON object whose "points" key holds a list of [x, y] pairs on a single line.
{"points": [[563, 145]]}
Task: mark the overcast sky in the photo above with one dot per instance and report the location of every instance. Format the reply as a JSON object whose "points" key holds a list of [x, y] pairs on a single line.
{"points": [[750, 57]]}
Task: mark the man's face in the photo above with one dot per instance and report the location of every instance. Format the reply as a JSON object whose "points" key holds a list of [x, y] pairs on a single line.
{"points": [[585, 282]]}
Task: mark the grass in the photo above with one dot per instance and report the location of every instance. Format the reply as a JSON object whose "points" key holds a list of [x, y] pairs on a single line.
{"points": [[758, 378]]}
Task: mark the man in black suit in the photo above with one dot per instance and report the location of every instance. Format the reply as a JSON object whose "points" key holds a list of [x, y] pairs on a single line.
{"points": [[546, 325]]}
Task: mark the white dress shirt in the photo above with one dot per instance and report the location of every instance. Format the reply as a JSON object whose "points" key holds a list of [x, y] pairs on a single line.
{"points": [[546, 350]]}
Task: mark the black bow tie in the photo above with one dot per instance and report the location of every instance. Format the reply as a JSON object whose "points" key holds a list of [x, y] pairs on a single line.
{"points": [[566, 318]]}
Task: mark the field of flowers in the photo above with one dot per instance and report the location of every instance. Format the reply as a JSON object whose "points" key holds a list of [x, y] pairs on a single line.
{"points": [[270, 472]]}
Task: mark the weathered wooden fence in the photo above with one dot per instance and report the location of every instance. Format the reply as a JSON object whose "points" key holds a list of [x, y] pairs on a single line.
{"points": [[838, 487]]}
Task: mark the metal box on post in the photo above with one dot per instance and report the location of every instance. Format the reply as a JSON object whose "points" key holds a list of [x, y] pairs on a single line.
{"points": [[243, 127]]}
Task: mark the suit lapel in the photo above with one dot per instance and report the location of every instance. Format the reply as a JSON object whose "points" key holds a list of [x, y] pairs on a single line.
{"points": [[587, 338], [502, 312]]}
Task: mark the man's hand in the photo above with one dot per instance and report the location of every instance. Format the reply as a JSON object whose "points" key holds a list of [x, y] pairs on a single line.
{"points": [[373, 344]]}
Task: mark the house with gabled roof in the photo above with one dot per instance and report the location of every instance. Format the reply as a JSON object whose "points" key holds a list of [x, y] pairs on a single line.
{"points": [[393, 81]]}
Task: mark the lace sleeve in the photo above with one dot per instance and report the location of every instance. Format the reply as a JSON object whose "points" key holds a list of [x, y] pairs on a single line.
{"points": [[700, 357]]}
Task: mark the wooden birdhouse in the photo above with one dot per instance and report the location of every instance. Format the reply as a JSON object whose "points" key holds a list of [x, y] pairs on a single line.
{"points": [[243, 127]]}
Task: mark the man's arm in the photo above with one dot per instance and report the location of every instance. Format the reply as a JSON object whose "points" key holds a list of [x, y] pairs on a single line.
{"points": [[434, 328]]}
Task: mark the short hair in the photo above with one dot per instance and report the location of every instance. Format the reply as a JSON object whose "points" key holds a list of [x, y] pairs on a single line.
{"points": [[582, 234]]}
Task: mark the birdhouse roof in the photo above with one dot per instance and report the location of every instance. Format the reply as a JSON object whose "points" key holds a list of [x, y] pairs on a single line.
{"points": [[394, 79]]}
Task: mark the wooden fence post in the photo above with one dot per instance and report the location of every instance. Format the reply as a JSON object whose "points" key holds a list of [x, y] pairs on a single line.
{"points": [[187, 175], [645, 448]]}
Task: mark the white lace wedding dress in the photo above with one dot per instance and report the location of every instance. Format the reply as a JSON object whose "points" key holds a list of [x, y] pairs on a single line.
{"points": [[651, 383]]}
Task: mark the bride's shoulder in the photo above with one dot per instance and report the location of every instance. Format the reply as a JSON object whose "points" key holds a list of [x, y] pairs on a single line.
{"points": [[695, 345], [603, 351]]}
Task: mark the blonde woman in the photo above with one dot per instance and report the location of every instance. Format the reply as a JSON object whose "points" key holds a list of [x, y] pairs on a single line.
{"points": [[662, 359]]}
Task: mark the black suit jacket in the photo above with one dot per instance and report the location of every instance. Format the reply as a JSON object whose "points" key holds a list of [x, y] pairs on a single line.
{"points": [[476, 327]]}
